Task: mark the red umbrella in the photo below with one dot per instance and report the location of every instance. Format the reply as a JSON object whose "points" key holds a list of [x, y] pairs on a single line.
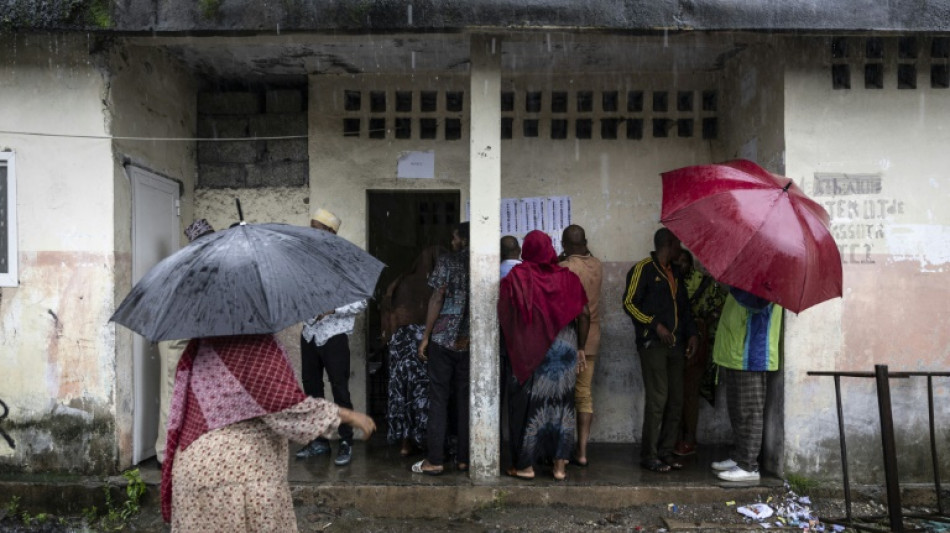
{"points": [[754, 230]]}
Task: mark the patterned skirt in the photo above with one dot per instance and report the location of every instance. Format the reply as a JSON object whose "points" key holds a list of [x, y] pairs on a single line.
{"points": [[408, 409], [547, 405]]}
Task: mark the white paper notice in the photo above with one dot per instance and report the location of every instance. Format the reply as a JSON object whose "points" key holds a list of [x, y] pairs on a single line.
{"points": [[416, 165], [521, 223], [509, 216]]}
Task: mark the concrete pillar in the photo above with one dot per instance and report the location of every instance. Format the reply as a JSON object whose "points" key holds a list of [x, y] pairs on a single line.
{"points": [[485, 197]]}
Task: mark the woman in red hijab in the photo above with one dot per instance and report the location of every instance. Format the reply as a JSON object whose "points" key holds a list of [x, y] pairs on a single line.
{"points": [[543, 313]]}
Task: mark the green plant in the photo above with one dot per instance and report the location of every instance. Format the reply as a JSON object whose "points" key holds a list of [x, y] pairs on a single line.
{"points": [[499, 499], [100, 13], [90, 514], [801, 484], [117, 516], [209, 8], [134, 490], [13, 506]]}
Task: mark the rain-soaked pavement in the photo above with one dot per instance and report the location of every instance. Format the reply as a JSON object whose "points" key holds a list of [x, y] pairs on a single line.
{"points": [[377, 492]]}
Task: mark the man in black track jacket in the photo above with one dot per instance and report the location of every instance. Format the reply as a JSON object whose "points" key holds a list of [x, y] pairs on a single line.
{"points": [[657, 302]]}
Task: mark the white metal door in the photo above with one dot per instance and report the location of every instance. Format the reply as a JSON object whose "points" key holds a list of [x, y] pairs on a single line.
{"points": [[154, 237]]}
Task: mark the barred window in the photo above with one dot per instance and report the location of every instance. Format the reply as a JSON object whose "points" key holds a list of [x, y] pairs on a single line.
{"points": [[8, 230]]}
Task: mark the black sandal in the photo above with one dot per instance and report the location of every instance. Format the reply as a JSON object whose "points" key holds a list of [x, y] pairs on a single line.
{"points": [[655, 465]]}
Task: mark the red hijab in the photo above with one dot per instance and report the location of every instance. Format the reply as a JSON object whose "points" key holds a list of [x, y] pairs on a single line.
{"points": [[538, 298]]}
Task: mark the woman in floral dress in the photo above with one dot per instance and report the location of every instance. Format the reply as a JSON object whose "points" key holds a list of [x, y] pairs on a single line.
{"points": [[236, 404]]}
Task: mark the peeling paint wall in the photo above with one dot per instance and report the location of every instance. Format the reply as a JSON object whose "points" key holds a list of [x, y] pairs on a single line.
{"points": [[150, 96], [67, 369], [753, 128], [893, 237], [56, 345]]}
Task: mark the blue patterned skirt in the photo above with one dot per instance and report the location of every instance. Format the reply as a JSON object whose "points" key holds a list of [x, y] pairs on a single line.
{"points": [[546, 404]]}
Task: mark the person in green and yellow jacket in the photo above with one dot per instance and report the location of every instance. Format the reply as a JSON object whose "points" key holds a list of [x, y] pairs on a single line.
{"points": [[747, 349]]}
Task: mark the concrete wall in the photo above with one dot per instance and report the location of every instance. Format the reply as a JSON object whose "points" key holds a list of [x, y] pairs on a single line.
{"points": [[614, 184], [67, 370], [896, 261], [252, 114], [616, 191], [753, 97], [149, 96], [645, 15], [343, 168], [57, 349]]}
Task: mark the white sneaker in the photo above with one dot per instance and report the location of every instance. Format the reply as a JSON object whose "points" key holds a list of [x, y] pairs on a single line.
{"points": [[738, 474], [722, 466]]}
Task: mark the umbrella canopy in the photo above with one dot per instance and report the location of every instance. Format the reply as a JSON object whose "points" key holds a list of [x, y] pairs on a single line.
{"points": [[254, 278], [754, 230]]}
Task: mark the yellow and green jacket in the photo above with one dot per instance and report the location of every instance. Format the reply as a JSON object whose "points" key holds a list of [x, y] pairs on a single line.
{"points": [[748, 333]]}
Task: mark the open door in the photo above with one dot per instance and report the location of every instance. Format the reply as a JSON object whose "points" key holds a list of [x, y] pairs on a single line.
{"points": [[154, 237], [401, 224]]}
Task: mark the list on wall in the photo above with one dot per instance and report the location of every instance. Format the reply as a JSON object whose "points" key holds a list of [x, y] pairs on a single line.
{"points": [[550, 214]]}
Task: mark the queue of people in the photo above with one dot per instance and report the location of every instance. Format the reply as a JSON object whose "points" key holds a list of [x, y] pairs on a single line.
{"points": [[236, 400]]}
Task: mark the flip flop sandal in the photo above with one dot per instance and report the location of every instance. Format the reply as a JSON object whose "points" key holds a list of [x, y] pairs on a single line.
{"points": [[655, 465], [417, 469], [576, 462], [560, 476]]}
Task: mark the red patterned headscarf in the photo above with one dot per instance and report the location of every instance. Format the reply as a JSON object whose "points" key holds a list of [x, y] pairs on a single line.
{"points": [[538, 298], [220, 381]]}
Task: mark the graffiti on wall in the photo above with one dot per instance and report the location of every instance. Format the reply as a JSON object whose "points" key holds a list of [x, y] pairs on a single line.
{"points": [[3, 433], [859, 214]]}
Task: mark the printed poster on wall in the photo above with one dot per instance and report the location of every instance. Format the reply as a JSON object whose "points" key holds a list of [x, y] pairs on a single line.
{"points": [[519, 216]]}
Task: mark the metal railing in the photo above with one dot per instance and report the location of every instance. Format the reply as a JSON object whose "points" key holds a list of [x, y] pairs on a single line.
{"points": [[895, 514]]}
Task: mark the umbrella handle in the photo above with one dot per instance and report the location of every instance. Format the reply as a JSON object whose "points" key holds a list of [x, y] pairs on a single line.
{"points": [[240, 212]]}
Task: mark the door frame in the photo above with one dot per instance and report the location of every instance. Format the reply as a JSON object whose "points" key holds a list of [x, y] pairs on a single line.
{"points": [[145, 358], [371, 337]]}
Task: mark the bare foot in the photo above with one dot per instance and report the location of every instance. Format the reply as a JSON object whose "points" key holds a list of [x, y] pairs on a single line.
{"points": [[560, 474], [527, 473]]}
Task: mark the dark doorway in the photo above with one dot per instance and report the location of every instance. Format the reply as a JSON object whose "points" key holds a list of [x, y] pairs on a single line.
{"points": [[400, 225]]}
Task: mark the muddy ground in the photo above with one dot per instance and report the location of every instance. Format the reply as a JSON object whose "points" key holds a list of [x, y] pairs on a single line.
{"points": [[670, 517]]}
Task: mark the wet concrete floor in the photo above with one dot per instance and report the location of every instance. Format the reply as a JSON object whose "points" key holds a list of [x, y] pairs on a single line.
{"points": [[378, 482], [377, 462]]}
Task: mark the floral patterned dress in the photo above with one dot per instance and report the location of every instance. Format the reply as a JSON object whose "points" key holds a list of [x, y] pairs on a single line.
{"points": [[408, 409], [235, 478]]}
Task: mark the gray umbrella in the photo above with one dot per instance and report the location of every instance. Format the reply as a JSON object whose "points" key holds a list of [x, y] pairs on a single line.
{"points": [[254, 278]]}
